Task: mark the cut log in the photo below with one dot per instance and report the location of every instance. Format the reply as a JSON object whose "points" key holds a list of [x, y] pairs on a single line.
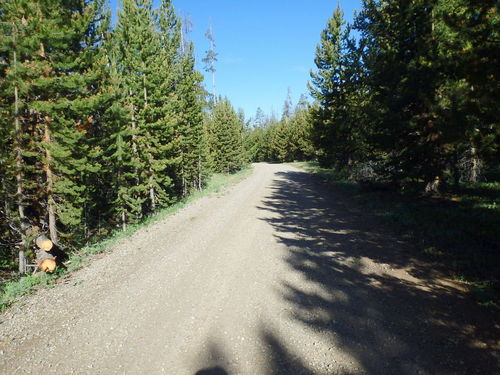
{"points": [[47, 265], [44, 243]]}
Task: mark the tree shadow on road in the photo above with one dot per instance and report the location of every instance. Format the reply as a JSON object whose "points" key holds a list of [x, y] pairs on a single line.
{"points": [[278, 359], [213, 360], [212, 371], [367, 293]]}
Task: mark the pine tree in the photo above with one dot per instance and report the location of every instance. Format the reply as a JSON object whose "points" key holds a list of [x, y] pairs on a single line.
{"points": [[327, 88], [52, 83], [224, 136], [137, 45], [400, 54], [299, 134], [192, 147], [467, 35]]}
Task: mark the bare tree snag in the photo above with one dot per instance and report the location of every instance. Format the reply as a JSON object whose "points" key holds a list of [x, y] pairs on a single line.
{"points": [[51, 204], [18, 150]]}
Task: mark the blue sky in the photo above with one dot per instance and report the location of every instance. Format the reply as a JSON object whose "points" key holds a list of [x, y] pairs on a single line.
{"points": [[264, 47]]}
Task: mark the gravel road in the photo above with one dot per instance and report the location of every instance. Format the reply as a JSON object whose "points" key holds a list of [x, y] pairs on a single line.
{"points": [[280, 275]]}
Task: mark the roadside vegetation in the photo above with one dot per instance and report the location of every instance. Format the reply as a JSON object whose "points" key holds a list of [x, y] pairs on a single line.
{"points": [[104, 125], [405, 119], [457, 231], [17, 285]]}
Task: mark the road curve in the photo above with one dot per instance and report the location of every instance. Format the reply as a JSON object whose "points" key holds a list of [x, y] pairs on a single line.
{"points": [[280, 275]]}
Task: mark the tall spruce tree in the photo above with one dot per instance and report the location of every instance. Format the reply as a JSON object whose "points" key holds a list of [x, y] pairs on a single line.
{"points": [[224, 136], [467, 39], [400, 55], [327, 87], [136, 52], [192, 145]]}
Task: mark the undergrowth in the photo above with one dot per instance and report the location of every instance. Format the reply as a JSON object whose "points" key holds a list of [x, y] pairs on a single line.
{"points": [[13, 290], [458, 231]]}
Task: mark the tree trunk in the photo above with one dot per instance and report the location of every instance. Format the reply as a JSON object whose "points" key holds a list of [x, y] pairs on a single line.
{"points": [[432, 187], [133, 124], [124, 220], [51, 204], [475, 166], [18, 150], [152, 197], [19, 158], [183, 178], [199, 173], [22, 262], [5, 201]]}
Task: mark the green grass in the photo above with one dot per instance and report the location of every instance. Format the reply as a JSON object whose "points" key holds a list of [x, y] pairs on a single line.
{"points": [[459, 231], [12, 291]]}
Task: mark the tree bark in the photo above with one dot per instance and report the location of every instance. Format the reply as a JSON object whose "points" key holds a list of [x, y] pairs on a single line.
{"points": [[124, 220], [18, 148], [475, 166], [51, 204], [152, 196], [22, 262], [133, 123]]}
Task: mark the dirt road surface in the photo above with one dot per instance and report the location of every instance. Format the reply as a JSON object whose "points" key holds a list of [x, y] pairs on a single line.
{"points": [[280, 275]]}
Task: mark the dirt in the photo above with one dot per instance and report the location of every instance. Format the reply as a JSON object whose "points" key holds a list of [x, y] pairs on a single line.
{"points": [[280, 275]]}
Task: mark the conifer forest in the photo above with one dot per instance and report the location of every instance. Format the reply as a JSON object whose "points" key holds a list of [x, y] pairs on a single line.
{"points": [[105, 123]]}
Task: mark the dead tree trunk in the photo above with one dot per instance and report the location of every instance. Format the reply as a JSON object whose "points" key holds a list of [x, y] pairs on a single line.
{"points": [[18, 153], [51, 204]]}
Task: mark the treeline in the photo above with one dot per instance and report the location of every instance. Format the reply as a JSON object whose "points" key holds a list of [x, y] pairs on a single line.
{"points": [[100, 125], [268, 139], [408, 94]]}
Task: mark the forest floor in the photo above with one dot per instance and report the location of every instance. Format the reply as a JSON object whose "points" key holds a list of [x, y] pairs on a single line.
{"points": [[281, 275]]}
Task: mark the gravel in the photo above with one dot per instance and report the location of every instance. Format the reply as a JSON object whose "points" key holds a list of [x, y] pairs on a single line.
{"points": [[279, 275]]}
